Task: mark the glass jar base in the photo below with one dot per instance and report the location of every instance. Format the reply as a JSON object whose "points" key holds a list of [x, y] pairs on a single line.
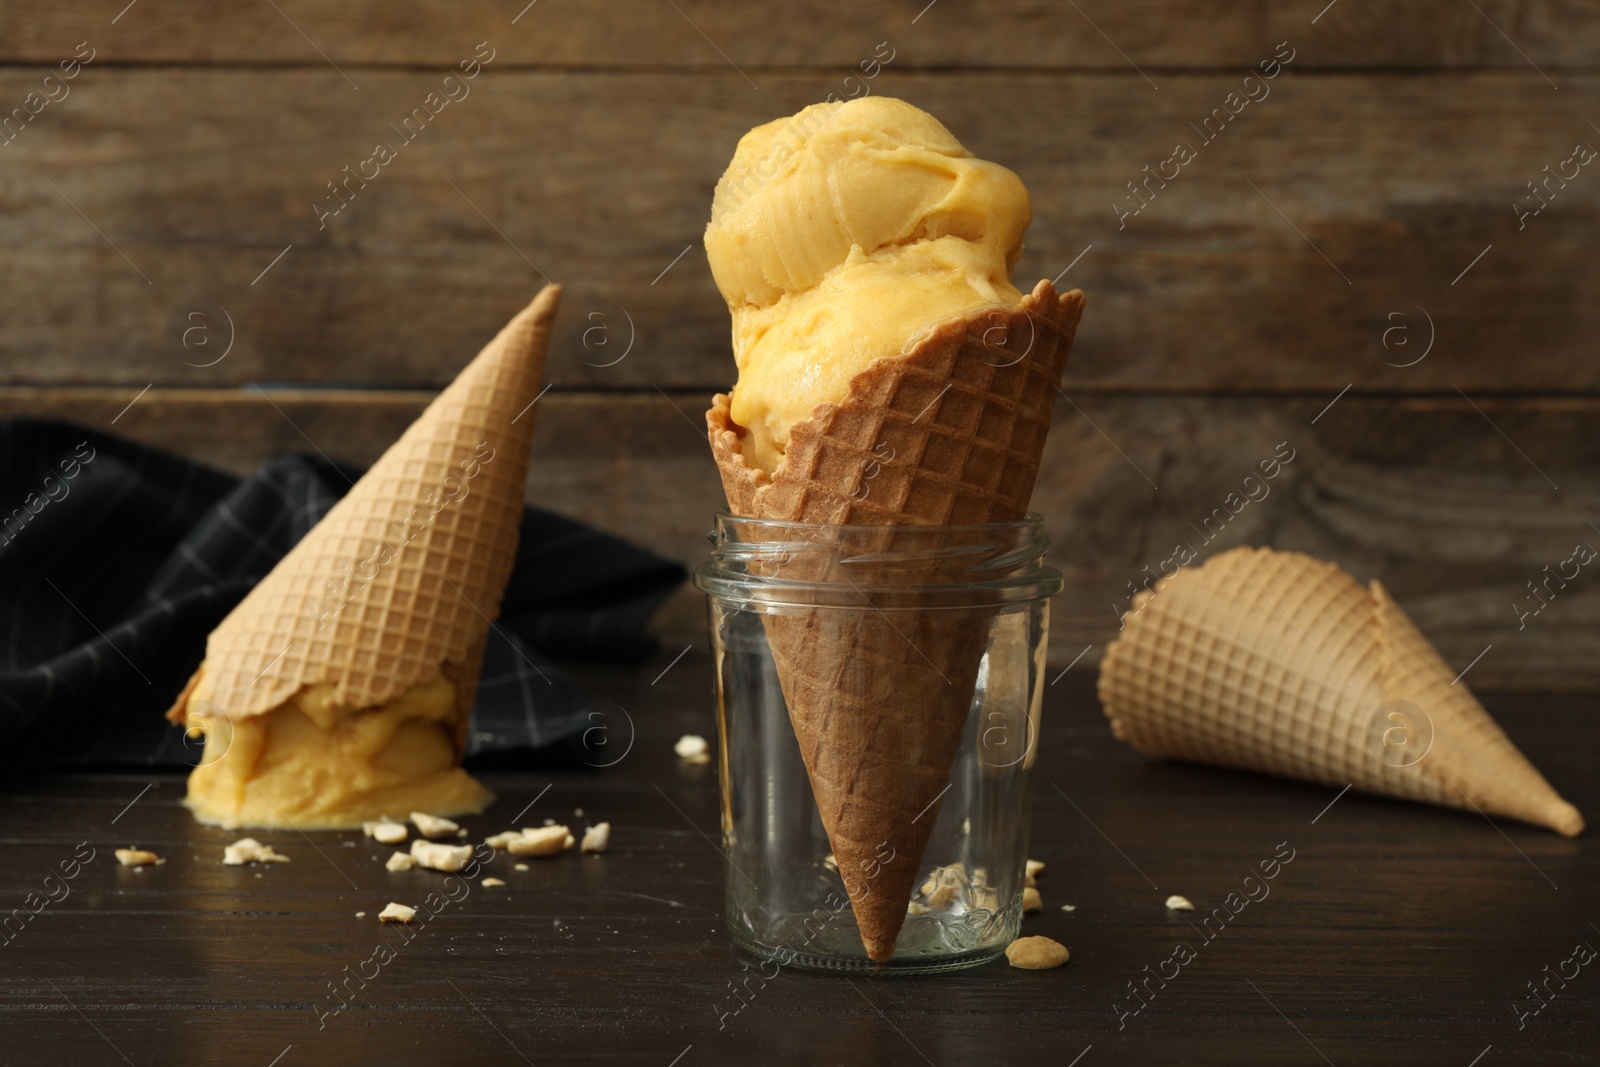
{"points": [[900, 965], [926, 946]]}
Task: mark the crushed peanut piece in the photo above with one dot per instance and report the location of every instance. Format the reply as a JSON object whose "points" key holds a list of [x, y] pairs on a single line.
{"points": [[1069, 907], [396, 913], [1032, 872], [830, 862], [549, 822], [519, 866], [1177, 903], [543, 841], [945, 885], [361, 915], [913, 908], [577, 813], [502, 841], [401, 861], [954, 875], [1031, 901], [1036, 953], [138, 857], [596, 838], [492, 883], [440, 857], [249, 850], [432, 826], [981, 896], [692, 748], [385, 831]]}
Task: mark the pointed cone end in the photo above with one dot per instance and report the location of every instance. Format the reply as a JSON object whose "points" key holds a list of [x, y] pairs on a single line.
{"points": [[1565, 820], [541, 308], [1547, 810], [1481, 764], [879, 888], [878, 950], [1537, 805], [525, 335]]}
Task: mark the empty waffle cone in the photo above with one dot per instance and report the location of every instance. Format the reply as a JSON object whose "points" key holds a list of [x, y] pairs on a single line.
{"points": [[1279, 663], [340, 688], [951, 432]]}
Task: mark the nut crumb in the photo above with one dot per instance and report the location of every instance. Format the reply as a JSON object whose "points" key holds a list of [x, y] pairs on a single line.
{"points": [[249, 850], [944, 886], [492, 883], [138, 857], [1037, 953], [1031, 901], [577, 813], [596, 838], [502, 841], [541, 841], [449, 858], [830, 862], [1031, 872], [1069, 907], [398, 913], [954, 874], [361, 915], [692, 748], [1177, 903], [432, 826], [519, 866], [401, 861], [913, 908], [385, 831]]}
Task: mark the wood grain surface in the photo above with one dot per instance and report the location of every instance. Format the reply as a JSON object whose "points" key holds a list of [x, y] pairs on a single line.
{"points": [[1003, 34], [1397, 935], [1323, 236], [1424, 494]]}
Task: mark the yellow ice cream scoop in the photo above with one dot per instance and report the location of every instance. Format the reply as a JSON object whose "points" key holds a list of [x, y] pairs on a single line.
{"points": [[839, 236]]}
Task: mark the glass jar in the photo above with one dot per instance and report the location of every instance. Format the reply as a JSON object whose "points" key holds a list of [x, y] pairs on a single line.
{"points": [[878, 693]]}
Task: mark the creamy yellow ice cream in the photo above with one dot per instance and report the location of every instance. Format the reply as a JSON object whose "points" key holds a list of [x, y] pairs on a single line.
{"points": [[841, 235], [312, 764]]}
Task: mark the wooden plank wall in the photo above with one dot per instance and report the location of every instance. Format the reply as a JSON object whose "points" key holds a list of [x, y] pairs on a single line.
{"points": [[1361, 235]]}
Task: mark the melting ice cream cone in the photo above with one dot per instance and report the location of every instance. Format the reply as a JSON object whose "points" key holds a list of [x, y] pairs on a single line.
{"points": [[340, 688]]}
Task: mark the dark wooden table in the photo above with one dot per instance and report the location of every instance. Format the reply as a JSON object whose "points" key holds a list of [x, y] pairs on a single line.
{"points": [[1398, 934]]}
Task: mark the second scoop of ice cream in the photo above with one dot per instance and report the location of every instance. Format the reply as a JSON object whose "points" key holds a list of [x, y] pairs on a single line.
{"points": [[840, 235]]}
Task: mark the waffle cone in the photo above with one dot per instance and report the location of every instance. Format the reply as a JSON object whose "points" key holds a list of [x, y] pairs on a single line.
{"points": [[397, 584], [1279, 663], [951, 432]]}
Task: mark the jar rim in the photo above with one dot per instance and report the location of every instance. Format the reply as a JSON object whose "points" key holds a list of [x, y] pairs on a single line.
{"points": [[1033, 520], [855, 565]]}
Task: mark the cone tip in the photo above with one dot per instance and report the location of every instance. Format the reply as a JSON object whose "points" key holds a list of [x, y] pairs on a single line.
{"points": [[526, 324], [1564, 819], [524, 340], [878, 950], [543, 305]]}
